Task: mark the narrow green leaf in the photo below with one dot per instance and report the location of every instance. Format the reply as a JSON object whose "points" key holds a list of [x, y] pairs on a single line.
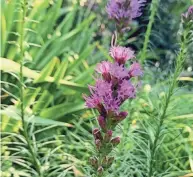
{"points": [[13, 114], [11, 66], [60, 72], [58, 111], [47, 70], [30, 96], [44, 100]]}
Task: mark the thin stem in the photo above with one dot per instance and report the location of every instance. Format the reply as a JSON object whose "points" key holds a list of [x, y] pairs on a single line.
{"points": [[153, 9], [180, 60], [24, 125]]}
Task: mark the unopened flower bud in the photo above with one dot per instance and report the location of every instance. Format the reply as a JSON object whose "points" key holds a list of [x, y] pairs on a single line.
{"points": [[97, 134], [98, 144], [108, 136], [100, 170], [102, 122], [107, 161], [187, 21], [188, 15], [94, 162], [110, 160], [122, 115], [115, 141], [104, 161]]}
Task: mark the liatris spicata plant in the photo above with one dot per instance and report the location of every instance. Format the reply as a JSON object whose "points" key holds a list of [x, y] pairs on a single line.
{"points": [[124, 11], [186, 36], [113, 86]]}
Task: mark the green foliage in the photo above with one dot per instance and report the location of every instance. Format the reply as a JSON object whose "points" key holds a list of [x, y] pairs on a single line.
{"points": [[57, 46], [52, 44]]}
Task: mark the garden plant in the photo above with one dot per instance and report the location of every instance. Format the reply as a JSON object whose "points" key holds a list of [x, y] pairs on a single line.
{"points": [[94, 88]]}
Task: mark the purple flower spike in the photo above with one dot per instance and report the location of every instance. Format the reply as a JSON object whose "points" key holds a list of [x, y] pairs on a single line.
{"points": [[121, 54], [124, 11], [102, 122], [114, 84], [115, 141], [135, 70]]}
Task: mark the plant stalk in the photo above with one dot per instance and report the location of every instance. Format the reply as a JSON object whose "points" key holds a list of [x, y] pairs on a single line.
{"points": [[179, 64], [153, 9], [24, 125]]}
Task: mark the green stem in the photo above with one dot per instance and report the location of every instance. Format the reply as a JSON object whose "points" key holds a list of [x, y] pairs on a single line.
{"points": [[180, 61], [24, 125], [153, 9]]}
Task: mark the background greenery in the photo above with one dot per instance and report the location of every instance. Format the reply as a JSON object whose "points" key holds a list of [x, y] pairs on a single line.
{"points": [[63, 42]]}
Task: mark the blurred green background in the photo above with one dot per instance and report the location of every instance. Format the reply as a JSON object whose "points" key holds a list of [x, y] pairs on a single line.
{"points": [[63, 42]]}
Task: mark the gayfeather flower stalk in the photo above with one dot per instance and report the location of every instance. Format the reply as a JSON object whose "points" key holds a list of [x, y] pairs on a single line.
{"points": [[114, 85]]}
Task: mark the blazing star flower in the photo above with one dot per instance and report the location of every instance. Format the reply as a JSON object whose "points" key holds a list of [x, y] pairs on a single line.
{"points": [[124, 10], [113, 85], [107, 96], [121, 54], [111, 89], [135, 70]]}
